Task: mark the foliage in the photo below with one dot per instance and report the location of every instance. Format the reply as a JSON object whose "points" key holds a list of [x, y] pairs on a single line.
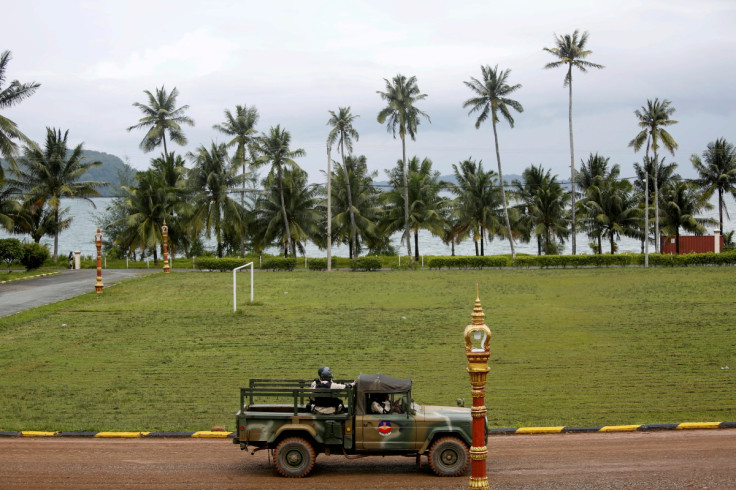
{"points": [[274, 150], [222, 264], [402, 114], [478, 262], [717, 172], [34, 255], [161, 116], [11, 95], [11, 250], [492, 98], [279, 264], [317, 264], [365, 264], [570, 50], [53, 173]]}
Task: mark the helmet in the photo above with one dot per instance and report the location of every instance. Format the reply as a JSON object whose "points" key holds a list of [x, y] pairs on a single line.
{"points": [[324, 373]]}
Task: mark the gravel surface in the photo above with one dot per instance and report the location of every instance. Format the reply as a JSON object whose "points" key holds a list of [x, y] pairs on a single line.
{"points": [[668, 459]]}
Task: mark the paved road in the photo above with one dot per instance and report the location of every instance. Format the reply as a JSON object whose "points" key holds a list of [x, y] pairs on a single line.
{"points": [[21, 295], [668, 459]]}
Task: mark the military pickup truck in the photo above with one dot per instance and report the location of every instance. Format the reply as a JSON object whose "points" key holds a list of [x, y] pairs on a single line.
{"points": [[274, 416]]}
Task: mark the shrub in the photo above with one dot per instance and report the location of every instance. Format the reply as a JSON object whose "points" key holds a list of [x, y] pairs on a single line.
{"points": [[279, 263], [317, 264], [365, 264], [34, 255], [223, 264], [10, 250]]}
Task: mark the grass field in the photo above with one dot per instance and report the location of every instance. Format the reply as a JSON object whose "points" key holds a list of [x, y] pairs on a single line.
{"points": [[569, 347]]}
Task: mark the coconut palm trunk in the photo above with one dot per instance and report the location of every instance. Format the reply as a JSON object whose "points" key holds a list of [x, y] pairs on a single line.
{"points": [[407, 230], [503, 191], [287, 235], [656, 202], [572, 162], [353, 244], [329, 208]]}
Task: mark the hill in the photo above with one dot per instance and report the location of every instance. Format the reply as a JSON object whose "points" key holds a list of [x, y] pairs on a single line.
{"points": [[113, 170]]}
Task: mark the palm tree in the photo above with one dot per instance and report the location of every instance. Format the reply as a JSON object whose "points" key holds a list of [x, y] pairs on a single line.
{"points": [[660, 174], [343, 132], [242, 127], [570, 50], [652, 119], [612, 208], [274, 148], [37, 220], [492, 98], [682, 201], [401, 94], [301, 202], [147, 204], [542, 209], [593, 172], [9, 206], [48, 176], [365, 203], [477, 203], [161, 116], [9, 96], [426, 206], [717, 171], [213, 177]]}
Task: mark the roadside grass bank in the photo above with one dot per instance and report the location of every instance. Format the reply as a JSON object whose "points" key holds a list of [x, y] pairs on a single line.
{"points": [[17, 275], [573, 347]]}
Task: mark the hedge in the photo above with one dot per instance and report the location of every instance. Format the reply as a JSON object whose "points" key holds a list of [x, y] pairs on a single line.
{"points": [[365, 264], [279, 263], [317, 264], [603, 260], [222, 264]]}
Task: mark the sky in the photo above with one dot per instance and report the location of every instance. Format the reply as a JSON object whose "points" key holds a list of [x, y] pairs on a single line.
{"points": [[295, 61]]}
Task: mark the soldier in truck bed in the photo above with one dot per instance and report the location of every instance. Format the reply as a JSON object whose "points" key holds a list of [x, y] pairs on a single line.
{"points": [[326, 405]]}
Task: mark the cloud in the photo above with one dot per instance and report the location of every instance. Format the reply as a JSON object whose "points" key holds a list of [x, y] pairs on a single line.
{"points": [[196, 52]]}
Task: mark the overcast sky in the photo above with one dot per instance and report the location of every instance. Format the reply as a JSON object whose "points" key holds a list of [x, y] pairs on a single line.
{"points": [[296, 60]]}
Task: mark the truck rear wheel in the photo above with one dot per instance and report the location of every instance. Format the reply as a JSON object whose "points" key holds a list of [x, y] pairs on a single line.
{"points": [[449, 456], [294, 457]]}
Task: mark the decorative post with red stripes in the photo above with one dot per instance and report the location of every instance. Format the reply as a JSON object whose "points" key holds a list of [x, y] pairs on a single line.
{"points": [[98, 241], [165, 233], [478, 350]]}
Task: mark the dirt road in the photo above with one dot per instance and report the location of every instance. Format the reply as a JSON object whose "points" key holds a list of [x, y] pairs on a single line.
{"points": [[671, 459]]}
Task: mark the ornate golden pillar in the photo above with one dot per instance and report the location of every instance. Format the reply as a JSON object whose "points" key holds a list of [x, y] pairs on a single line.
{"points": [[98, 242], [478, 350], [165, 233]]}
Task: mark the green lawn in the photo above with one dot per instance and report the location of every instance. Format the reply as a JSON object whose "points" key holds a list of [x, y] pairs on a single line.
{"points": [[569, 347]]}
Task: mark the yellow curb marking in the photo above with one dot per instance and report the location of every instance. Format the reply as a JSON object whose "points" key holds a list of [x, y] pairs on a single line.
{"points": [[209, 433], [539, 430], [121, 434], [37, 433], [619, 428], [699, 425]]}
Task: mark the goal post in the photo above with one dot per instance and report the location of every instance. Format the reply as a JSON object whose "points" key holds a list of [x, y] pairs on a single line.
{"points": [[235, 303]]}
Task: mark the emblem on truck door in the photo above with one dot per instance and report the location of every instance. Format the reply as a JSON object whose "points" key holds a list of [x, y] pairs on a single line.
{"points": [[384, 427]]}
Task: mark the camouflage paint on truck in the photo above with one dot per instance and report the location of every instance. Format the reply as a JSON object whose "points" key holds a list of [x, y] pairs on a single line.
{"points": [[408, 428]]}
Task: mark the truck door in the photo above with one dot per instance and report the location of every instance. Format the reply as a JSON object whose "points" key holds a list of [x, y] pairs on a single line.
{"points": [[390, 431]]}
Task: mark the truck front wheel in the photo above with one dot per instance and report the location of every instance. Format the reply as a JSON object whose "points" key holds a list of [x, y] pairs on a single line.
{"points": [[449, 456], [294, 457]]}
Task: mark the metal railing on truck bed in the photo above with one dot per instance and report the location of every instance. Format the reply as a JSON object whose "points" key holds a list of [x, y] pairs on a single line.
{"points": [[265, 394]]}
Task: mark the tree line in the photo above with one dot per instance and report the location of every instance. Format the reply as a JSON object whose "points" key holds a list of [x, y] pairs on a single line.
{"points": [[217, 192]]}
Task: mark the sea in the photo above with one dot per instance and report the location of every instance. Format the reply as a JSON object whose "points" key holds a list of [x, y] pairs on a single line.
{"points": [[87, 216]]}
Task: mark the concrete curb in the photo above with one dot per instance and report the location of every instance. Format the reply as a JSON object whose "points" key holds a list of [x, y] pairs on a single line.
{"points": [[491, 432], [614, 428], [30, 277]]}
